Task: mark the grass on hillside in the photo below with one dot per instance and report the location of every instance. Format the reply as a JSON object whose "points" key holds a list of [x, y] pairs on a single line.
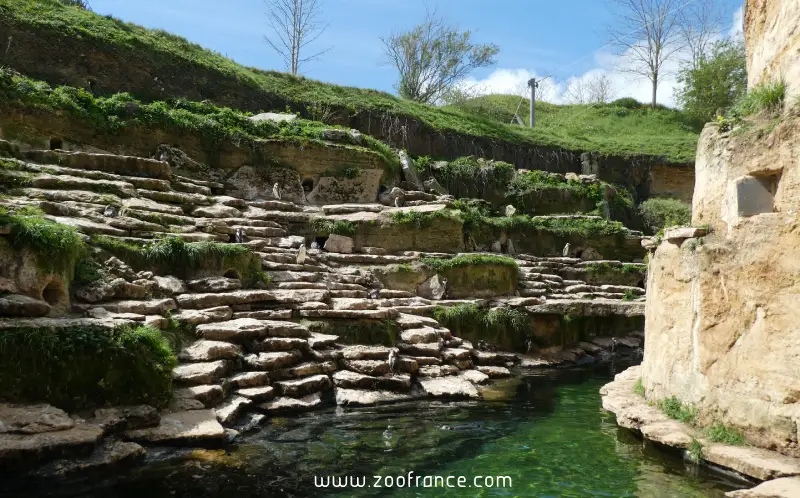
{"points": [[605, 129]]}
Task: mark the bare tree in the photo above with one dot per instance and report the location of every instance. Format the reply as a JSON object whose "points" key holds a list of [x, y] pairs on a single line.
{"points": [[699, 26], [648, 33], [600, 89], [296, 25], [433, 57], [576, 92]]}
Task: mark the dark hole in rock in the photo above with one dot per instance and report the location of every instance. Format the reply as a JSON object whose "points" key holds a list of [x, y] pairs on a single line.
{"points": [[321, 241], [232, 274], [578, 254], [382, 189], [56, 143], [308, 185], [640, 283], [53, 294]]}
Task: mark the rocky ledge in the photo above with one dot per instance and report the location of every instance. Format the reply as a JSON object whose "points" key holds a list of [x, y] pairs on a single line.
{"points": [[780, 473]]}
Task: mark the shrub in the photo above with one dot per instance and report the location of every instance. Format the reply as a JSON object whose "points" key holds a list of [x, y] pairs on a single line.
{"points": [[638, 388], [721, 434], [469, 320], [674, 408], [663, 213], [421, 219], [766, 98], [628, 103], [80, 367], [322, 227]]}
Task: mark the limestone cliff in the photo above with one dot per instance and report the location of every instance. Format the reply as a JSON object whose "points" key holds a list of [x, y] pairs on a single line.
{"points": [[722, 319]]}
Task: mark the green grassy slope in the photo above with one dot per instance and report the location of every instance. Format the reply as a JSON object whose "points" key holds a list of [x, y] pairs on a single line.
{"points": [[665, 139], [650, 131]]}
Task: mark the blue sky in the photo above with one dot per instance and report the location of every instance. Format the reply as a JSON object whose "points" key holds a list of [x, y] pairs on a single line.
{"points": [[536, 37]]}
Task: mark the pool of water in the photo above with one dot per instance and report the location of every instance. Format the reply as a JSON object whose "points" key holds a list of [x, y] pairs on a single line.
{"points": [[546, 431]]}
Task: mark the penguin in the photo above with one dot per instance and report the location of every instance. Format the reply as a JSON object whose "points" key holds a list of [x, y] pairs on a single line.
{"points": [[301, 254], [397, 202], [565, 252], [110, 212], [315, 245], [238, 235], [276, 192], [374, 293], [393, 360]]}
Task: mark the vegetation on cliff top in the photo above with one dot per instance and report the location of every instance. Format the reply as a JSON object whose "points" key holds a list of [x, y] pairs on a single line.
{"points": [[606, 129], [214, 124], [120, 366], [662, 213]]}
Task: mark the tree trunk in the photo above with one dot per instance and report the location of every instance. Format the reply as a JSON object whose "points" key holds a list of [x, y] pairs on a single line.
{"points": [[655, 89]]}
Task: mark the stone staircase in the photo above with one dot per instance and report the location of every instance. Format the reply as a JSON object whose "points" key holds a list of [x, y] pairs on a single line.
{"points": [[259, 351]]}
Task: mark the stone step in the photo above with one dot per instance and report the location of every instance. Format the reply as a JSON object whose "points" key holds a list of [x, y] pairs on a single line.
{"points": [[369, 397], [363, 352], [350, 294], [416, 310], [270, 314], [178, 198], [277, 344], [323, 367], [532, 292], [207, 394], [304, 386], [494, 372], [285, 404], [353, 380], [257, 394], [275, 205], [368, 259], [320, 341], [379, 314], [434, 371], [273, 360], [351, 208], [244, 329], [200, 373], [260, 232], [282, 217], [394, 294], [420, 349], [452, 386], [143, 307], [238, 297], [406, 321], [109, 163], [300, 285], [368, 367], [205, 350], [420, 335], [191, 188], [275, 267], [249, 380], [294, 276], [230, 409], [583, 307], [193, 428]]}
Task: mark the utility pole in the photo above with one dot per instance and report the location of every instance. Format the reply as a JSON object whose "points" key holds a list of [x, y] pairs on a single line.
{"points": [[533, 86]]}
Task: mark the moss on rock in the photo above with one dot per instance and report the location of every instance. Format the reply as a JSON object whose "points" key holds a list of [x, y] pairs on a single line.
{"points": [[83, 366]]}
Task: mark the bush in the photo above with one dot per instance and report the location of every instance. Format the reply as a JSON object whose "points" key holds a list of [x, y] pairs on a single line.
{"points": [[467, 320], [82, 367], [662, 213], [766, 98], [628, 103], [324, 227]]}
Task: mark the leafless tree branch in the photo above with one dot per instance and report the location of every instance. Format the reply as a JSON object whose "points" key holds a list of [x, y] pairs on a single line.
{"points": [[295, 25]]}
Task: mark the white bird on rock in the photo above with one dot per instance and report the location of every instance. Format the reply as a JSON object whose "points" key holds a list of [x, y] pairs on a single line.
{"points": [[276, 192], [397, 202], [393, 360], [565, 252], [301, 254]]}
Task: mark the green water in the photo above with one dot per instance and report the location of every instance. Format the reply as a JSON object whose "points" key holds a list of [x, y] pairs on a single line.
{"points": [[546, 432]]}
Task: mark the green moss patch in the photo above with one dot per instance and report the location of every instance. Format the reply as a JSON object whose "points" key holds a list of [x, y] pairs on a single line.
{"points": [[324, 227], [80, 367], [659, 214], [57, 246], [463, 260], [183, 259]]}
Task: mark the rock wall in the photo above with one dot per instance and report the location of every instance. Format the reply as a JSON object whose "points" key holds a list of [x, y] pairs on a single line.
{"points": [[722, 316], [772, 28]]}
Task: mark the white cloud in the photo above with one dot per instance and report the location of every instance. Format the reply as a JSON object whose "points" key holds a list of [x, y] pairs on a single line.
{"points": [[613, 66]]}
